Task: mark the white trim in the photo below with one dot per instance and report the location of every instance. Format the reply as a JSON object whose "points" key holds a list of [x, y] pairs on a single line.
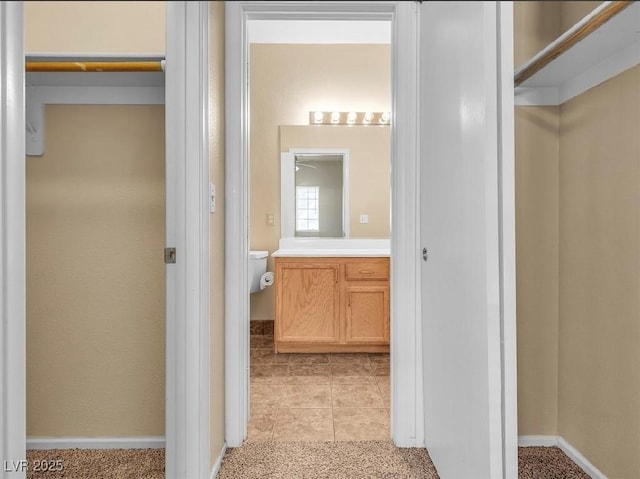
{"points": [[579, 459], [532, 96], [218, 464], [38, 96], [288, 185], [12, 238], [187, 157], [532, 441], [135, 442], [573, 454], [236, 228], [507, 228], [407, 394]]}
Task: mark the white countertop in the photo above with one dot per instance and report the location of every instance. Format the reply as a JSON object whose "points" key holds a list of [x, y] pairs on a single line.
{"points": [[333, 247], [332, 252]]}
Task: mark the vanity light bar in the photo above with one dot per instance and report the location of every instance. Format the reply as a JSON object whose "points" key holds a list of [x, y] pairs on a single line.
{"points": [[380, 118]]}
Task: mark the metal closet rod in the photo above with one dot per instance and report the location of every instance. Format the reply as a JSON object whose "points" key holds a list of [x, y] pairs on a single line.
{"points": [[106, 66]]}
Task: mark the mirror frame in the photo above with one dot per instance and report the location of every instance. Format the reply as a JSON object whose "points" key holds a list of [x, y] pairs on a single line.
{"points": [[288, 188]]}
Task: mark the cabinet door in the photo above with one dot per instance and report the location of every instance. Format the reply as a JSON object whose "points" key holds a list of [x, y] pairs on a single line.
{"points": [[308, 302], [367, 314]]}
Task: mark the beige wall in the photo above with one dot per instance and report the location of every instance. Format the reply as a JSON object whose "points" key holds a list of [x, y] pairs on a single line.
{"points": [[537, 189], [571, 12], [599, 379], [216, 145], [369, 169], [537, 149], [95, 27], [95, 277], [288, 81]]}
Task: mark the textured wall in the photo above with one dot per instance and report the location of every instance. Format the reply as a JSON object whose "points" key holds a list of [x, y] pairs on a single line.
{"points": [[537, 189], [287, 82], [95, 27], [216, 144], [537, 147], [95, 276], [599, 383]]}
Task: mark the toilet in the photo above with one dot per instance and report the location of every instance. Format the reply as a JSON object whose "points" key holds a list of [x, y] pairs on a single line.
{"points": [[257, 267]]}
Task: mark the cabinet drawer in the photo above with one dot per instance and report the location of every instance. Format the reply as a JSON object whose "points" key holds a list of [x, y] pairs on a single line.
{"points": [[367, 270]]}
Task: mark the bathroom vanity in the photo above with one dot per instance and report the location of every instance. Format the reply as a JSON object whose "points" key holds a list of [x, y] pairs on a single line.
{"points": [[331, 301]]}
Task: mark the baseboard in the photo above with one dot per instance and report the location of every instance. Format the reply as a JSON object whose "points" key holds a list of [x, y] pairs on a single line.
{"points": [[568, 449], [216, 467], [545, 441], [580, 460], [136, 442]]}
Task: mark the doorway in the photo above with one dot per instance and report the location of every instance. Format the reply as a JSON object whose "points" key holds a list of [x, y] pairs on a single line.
{"points": [[405, 411]]}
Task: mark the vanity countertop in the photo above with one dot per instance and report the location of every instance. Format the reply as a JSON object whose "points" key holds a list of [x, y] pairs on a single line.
{"points": [[333, 247], [332, 252]]}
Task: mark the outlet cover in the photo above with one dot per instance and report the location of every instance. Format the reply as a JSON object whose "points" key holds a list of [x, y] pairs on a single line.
{"points": [[364, 219]]}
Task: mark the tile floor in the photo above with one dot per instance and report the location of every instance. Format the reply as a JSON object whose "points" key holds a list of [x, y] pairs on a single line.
{"points": [[317, 397]]}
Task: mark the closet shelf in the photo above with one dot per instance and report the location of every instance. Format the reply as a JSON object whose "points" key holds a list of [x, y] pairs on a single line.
{"points": [[87, 80], [603, 44]]}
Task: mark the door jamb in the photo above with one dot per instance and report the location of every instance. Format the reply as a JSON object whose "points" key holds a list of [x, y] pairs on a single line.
{"points": [[12, 241], [406, 354]]}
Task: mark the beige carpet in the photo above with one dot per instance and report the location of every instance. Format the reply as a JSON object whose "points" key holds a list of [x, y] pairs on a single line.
{"points": [[325, 460], [100, 463], [547, 463], [308, 460]]}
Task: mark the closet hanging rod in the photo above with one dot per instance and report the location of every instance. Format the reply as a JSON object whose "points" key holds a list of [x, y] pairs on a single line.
{"points": [[106, 66], [580, 30]]}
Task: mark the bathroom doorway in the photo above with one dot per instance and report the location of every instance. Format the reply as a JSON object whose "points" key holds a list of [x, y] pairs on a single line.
{"points": [[319, 179]]}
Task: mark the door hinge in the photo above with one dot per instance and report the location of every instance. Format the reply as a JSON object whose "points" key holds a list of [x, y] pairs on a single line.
{"points": [[169, 255]]}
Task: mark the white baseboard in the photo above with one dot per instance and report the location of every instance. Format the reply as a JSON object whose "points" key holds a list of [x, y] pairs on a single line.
{"points": [[568, 449], [216, 467], [546, 441], [580, 460], [136, 442]]}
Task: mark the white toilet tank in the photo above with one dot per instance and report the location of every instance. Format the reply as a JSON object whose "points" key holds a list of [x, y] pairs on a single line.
{"points": [[257, 267]]}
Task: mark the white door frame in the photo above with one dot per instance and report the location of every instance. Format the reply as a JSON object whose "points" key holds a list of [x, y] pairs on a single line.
{"points": [[12, 238], [187, 159], [406, 363], [187, 162]]}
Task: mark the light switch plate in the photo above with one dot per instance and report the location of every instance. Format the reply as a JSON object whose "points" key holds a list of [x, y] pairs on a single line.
{"points": [[364, 219]]}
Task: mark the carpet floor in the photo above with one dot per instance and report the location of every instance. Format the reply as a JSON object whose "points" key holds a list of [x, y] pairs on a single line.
{"points": [[289, 460], [98, 463]]}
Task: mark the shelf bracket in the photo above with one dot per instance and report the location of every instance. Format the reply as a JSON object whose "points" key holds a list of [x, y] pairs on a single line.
{"points": [[34, 118]]}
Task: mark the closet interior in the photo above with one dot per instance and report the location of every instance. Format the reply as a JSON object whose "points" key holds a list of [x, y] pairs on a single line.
{"points": [[577, 125]]}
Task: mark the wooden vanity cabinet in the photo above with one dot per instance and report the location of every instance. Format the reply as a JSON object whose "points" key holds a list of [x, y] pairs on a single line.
{"points": [[332, 304]]}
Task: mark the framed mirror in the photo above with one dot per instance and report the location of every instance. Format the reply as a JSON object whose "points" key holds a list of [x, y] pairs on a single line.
{"points": [[314, 193]]}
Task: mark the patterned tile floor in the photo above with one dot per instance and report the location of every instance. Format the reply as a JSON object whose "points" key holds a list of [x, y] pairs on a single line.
{"points": [[317, 397]]}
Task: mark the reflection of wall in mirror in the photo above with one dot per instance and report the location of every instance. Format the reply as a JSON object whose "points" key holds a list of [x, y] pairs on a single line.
{"points": [[327, 176], [369, 169]]}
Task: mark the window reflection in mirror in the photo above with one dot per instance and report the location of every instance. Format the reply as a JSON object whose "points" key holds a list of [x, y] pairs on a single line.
{"points": [[319, 196]]}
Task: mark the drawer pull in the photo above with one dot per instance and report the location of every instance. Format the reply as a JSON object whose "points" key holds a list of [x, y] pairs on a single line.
{"points": [[366, 271]]}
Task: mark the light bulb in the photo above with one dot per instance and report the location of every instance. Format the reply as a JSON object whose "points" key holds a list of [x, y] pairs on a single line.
{"points": [[335, 117], [351, 117], [318, 116], [368, 116], [384, 118]]}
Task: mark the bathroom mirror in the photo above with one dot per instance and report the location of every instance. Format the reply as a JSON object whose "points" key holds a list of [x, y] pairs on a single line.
{"points": [[317, 204], [334, 181]]}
